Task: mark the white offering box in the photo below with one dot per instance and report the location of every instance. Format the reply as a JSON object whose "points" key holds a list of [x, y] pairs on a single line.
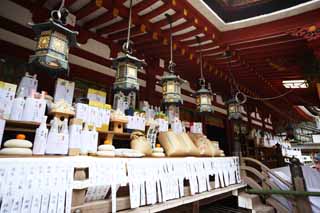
{"points": [[97, 95], [28, 84], [136, 123], [163, 125], [75, 129], [64, 90], [34, 110], [17, 108], [58, 141], [2, 125], [7, 94], [177, 126], [196, 127], [92, 115]]}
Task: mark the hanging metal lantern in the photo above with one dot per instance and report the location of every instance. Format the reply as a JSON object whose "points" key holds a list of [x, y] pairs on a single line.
{"points": [[53, 42], [203, 95], [171, 83], [235, 105], [171, 89], [127, 68], [234, 109], [126, 82], [203, 100]]}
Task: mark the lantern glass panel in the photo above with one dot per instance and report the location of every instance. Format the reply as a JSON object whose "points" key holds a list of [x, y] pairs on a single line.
{"points": [[121, 71], [170, 87], [198, 100], [43, 42], [58, 45], [232, 108], [204, 99], [132, 71], [164, 88]]}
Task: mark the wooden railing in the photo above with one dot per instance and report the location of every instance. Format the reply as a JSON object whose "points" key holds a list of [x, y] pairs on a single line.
{"points": [[258, 176]]}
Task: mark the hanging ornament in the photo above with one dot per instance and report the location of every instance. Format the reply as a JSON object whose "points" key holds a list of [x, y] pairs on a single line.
{"points": [[171, 84], [203, 95], [127, 66], [235, 102], [53, 42]]}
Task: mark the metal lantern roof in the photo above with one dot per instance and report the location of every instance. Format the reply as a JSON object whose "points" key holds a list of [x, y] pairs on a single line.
{"points": [[52, 25]]}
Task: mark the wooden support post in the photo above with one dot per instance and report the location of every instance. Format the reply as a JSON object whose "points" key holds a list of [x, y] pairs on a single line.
{"points": [[302, 202], [195, 207]]}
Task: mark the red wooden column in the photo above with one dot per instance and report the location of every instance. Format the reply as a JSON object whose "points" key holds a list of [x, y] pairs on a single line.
{"points": [[152, 70]]}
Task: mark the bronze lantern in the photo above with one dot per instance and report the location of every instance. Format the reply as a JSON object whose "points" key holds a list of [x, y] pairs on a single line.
{"points": [[126, 83], [203, 95], [171, 89], [234, 109], [203, 99], [53, 43]]}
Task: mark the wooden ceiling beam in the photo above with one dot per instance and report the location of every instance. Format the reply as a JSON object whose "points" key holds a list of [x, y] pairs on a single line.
{"points": [[178, 28], [68, 3], [121, 25], [277, 49], [187, 35], [143, 38], [86, 10], [154, 13], [175, 17], [122, 35], [103, 18], [268, 45], [194, 41], [281, 26], [143, 5]]}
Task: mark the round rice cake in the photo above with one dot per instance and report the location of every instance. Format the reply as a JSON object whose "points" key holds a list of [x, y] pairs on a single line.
{"points": [[17, 143], [106, 147], [106, 153], [16, 151], [158, 150], [158, 154]]}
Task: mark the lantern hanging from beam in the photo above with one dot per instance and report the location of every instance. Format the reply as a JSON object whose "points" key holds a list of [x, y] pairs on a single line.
{"points": [[203, 95], [53, 42], [171, 84], [234, 109], [234, 104], [203, 99], [127, 66]]}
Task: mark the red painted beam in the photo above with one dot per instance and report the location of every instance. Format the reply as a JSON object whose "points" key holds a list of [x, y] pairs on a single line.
{"points": [[143, 5], [121, 25], [175, 17], [68, 3], [163, 8], [194, 41], [143, 38], [86, 10], [123, 34], [272, 28], [187, 35], [105, 17], [178, 28]]}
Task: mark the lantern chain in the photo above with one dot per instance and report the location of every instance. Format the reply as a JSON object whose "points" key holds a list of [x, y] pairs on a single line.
{"points": [[126, 46], [171, 63], [202, 79]]}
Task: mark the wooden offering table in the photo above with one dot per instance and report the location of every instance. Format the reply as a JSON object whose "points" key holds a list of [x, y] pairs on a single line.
{"points": [[90, 184]]}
